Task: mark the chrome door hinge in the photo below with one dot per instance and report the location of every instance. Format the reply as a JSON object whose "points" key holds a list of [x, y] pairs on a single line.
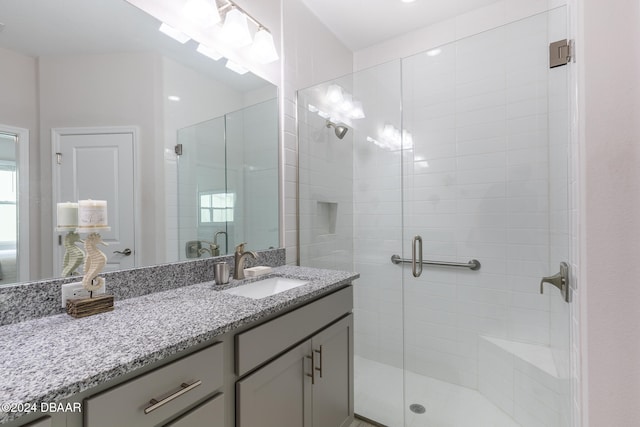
{"points": [[561, 53], [178, 149], [59, 158]]}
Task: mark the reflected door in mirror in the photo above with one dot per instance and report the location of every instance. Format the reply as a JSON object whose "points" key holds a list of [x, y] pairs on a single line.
{"points": [[98, 164]]}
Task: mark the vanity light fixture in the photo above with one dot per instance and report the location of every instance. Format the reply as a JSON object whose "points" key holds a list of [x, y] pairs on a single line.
{"points": [[236, 67], [209, 52], [174, 33], [235, 30]]}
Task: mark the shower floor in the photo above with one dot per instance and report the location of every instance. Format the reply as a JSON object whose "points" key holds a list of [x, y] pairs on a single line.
{"points": [[378, 396]]}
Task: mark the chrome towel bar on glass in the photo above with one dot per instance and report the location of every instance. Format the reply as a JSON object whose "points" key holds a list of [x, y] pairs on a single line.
{"points": [[474, 264]]}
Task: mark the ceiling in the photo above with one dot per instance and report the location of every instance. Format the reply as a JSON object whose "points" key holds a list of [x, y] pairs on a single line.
{"points": [[363, 23]]}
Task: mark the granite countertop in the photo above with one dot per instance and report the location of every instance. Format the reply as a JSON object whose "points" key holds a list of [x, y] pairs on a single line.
{"points": [[52, 358]]}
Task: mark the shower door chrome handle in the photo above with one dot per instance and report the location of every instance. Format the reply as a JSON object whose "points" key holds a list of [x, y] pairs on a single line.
{"points": [[417, 241]]}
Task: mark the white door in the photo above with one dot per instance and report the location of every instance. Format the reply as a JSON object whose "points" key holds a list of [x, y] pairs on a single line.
{"points": [[98, 164]]}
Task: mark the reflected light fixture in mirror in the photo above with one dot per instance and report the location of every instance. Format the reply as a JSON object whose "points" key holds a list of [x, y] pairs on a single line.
{"points": [[236, 67], [174, 33], [198, 22]]}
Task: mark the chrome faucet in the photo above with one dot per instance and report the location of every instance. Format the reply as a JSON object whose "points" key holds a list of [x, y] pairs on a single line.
{"points": [[240, 256]]}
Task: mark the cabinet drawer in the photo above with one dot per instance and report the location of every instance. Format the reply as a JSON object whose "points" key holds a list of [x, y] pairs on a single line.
{"points": [[210, 413], [265, 341], [173, 388]]}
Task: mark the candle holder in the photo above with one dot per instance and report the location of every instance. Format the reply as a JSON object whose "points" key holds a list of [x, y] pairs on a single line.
{"points": [[95, 261]]}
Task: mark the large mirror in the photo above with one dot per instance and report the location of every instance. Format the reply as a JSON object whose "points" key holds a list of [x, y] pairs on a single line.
{"points": [[98, 104]]}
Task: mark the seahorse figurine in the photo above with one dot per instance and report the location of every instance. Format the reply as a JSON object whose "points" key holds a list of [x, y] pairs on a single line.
{"points": [[73, 257], [94, 263]]}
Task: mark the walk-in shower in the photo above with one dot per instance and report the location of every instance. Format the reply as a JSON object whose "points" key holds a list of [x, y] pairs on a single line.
{"points": [[460, 159]]}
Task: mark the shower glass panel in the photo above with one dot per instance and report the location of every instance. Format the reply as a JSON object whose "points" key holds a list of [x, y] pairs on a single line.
{"points": [[467, 148], [202, 187]]}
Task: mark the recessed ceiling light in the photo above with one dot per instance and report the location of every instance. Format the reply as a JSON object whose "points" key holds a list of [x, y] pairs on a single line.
{"points": [[408, 1], [173, 98], [434, 52]]}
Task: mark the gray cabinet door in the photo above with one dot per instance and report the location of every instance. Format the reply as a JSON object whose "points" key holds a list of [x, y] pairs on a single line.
{"points": [[333, 389], [278, 394]]}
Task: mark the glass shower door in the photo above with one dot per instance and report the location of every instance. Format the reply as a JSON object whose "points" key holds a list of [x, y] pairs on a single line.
{"points": [[485, 178], [465, 146]]}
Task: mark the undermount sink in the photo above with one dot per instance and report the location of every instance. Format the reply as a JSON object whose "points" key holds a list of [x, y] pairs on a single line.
{"points": [[266, 287]]}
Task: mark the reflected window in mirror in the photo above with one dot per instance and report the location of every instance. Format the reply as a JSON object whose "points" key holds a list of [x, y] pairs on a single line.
{"points": [[216, 207], [8, 208]]}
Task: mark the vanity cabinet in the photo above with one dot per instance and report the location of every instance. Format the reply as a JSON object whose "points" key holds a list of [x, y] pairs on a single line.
{"points": [[162, 394], [310, 385], [42, 422]]}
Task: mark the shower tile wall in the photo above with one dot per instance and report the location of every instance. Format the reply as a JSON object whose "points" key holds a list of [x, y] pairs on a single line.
{"points": [[325, 193]]}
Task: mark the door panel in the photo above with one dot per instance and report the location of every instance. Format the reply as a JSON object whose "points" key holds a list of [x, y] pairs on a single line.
{"points": [[100, 166], [278, 394], [332, 393]]}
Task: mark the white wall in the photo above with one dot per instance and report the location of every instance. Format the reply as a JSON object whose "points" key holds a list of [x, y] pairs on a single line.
{"points": [[103, 90], [610, 190], [19, 109], [312, 55]]}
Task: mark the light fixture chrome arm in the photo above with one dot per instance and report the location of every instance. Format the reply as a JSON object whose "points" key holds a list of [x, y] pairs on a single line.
{"points": [[230, 5]]}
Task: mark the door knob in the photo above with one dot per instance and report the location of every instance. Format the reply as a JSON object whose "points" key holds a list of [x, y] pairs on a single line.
{"points": [[560, 281], [126, 252]]}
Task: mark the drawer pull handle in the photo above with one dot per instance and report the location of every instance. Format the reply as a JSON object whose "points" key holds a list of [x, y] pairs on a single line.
{"points": [[320, 368], [313, 365], [155, 404]]}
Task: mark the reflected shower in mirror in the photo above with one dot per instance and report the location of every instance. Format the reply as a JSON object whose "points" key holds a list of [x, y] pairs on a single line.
{"points": [[227, 185], [81, 89]]}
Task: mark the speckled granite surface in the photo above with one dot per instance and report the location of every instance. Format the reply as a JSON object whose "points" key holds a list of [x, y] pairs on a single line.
{"points": [[51, 358], [26, 301]]}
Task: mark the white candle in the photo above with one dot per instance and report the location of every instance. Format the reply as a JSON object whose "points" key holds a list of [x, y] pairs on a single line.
{"points": [[67, 214], [92, 213]]}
